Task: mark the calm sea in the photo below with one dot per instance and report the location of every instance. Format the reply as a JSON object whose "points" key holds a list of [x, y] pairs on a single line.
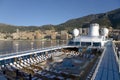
{"points": [[23, 45]]}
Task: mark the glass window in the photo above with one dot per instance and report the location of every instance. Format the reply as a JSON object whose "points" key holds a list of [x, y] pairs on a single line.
{"points": [[2, 62], [77, 43], [88, 43], [96, 44], [70, 43], [85, 43]]}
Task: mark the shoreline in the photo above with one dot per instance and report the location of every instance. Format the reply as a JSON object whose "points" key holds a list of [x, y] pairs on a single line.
{"points": [[30, 40]]}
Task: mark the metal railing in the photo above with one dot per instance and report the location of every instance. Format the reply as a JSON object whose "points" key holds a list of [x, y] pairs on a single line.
{"points": [[31, 51], [114, 46], [96, 70]]}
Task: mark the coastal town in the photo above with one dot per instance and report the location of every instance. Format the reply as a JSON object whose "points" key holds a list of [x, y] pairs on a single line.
{"points": [[51, 34]]}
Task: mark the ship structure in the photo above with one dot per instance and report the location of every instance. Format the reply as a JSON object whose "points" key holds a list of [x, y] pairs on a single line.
{"points": [[89, 57]]}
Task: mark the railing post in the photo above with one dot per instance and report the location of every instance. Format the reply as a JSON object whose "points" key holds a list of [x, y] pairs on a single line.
{"points": [[119, 61]]}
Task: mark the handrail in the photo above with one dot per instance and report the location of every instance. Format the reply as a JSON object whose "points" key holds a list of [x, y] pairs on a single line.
{"points": [[32, 51], [96, 70], [114, 46], [22, 52]]}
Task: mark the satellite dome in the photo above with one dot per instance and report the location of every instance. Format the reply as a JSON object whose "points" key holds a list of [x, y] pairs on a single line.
{"points": [[75, 32], [105, 31]]}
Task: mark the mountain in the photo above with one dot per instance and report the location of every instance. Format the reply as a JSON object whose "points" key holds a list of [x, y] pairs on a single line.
{"points": [[108, 19]]}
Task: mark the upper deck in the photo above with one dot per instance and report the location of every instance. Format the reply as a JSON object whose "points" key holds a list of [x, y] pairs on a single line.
{"points": [[108, 67]]}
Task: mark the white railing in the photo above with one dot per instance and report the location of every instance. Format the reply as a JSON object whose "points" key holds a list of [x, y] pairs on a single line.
{"points": [[114, 47], [96, 70], [32, 51]]}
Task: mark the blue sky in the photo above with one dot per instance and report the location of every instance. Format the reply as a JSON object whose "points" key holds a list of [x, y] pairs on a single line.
{"points": [[41, 12]]}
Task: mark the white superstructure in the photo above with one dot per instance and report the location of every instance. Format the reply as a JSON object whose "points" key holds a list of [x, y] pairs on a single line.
{"points": [[92, 39]]}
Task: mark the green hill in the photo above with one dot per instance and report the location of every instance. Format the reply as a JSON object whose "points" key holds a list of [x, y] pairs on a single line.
{"points": [[108, 19]]}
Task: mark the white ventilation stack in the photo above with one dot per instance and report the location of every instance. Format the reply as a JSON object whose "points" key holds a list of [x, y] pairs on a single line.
{"points": [[94, 30], [104, 32], [75, 32]]}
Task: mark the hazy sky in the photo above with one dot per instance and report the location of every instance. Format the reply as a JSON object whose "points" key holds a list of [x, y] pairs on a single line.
{"points": [[41, 12]]}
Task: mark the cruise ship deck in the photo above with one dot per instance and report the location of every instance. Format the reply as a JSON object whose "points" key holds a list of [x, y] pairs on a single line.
{"points": [[91, 57], [108, 67]]}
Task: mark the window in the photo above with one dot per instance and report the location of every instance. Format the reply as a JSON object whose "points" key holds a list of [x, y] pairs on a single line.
{"points": [[85, 43], [77, 43], [71, 43], [96, 44]]}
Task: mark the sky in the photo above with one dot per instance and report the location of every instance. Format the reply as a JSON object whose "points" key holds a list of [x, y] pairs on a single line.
{"points": [[42, 12]]}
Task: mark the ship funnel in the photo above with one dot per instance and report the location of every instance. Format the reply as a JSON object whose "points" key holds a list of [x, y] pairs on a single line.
{"points": [[94, 30]]}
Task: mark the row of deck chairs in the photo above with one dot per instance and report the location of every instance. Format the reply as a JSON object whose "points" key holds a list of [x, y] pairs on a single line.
{"points": [[28, 65], [30, 61]]}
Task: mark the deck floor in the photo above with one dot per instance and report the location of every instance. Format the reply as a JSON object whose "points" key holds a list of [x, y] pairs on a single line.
{"points": [[108, 69]]}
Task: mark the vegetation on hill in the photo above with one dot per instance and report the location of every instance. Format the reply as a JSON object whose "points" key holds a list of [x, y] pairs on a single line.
{"points": [[108, 19]]}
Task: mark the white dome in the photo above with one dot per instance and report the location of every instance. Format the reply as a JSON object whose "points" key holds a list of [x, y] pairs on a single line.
{"points": [[104, 31], [75, 32]]}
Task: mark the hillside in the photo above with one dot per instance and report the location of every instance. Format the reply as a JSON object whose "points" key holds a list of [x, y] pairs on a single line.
{"points": [[108, 19]]}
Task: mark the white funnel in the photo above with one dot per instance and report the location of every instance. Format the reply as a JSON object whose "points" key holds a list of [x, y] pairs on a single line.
{"points": [[94, 30]]}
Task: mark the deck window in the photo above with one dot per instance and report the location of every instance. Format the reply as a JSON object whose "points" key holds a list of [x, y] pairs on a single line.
{"points": [[71, 43], [85, 43], [77, 43], [96, 44]]}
